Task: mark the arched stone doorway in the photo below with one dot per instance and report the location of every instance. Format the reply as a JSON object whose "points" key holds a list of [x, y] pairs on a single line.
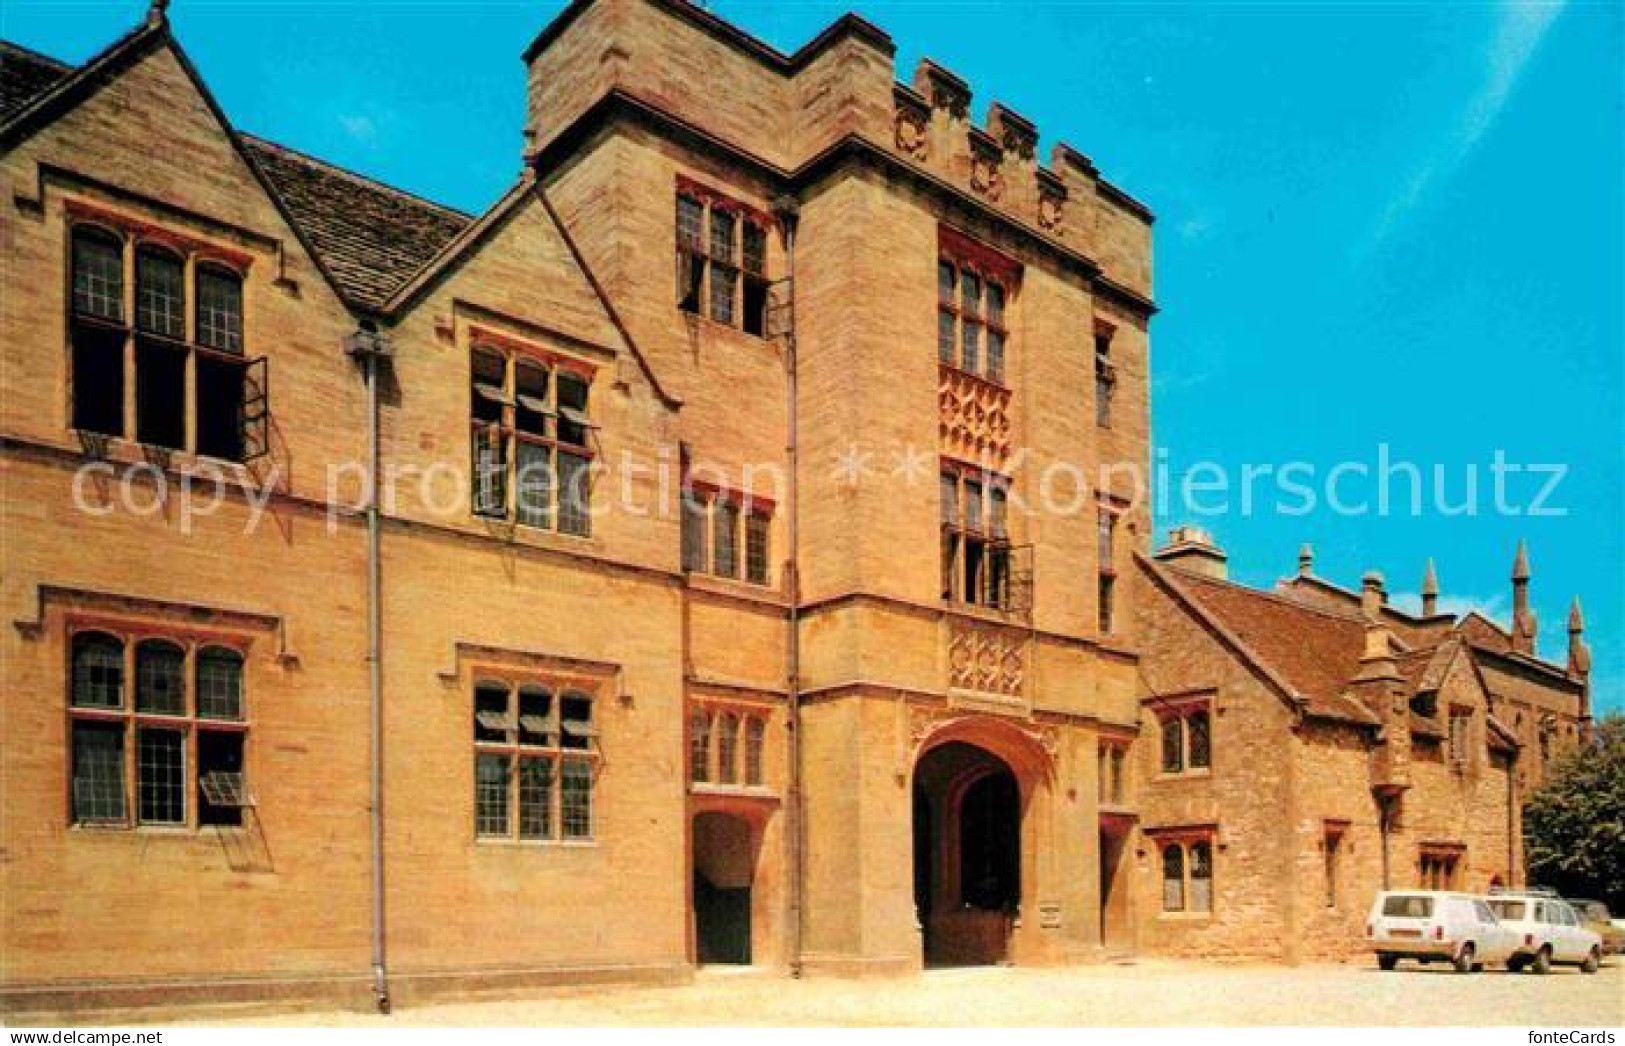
{"points": [[967, 854], [725, 851]]}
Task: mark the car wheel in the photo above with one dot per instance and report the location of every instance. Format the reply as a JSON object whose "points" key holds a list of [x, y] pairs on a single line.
{"points": [[1593, 960], [1515, 964], [1464, 959], [1387, 962], [1542, 962]]}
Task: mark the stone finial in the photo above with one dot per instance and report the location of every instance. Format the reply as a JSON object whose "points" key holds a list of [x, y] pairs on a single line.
{"points": [[1523, 618], [1579, 651], [1306, 560], [158, 12], [1372, 596], [1520, 563], [1430, 590]]}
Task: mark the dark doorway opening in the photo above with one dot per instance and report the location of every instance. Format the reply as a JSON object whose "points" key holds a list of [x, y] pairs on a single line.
{"points": [[724, 867], [967, 854]]}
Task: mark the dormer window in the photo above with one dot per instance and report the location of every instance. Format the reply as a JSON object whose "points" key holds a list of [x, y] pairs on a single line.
{"points": [[223, 410], [531, 433]]}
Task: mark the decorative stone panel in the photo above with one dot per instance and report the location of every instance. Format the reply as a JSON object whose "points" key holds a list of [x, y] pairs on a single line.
{"points": [[912, 122], [986, 659], [974, 417]]}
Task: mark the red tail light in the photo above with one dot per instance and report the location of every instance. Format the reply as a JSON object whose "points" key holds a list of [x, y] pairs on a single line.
{"points": [[1438, 933], [1528, 940], [1370, 931]]}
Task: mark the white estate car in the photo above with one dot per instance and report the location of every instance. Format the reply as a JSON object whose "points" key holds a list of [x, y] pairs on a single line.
{"points": [[1548, 932], [1436, 926]]}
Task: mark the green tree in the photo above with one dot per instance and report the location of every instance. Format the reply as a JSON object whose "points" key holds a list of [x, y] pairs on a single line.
{"points": [[1574, 826]]}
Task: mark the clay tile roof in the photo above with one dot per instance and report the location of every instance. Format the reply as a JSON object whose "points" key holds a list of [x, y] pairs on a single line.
{"points": [[1316, 651], [371, 238], [25, 75], [1484, 634]]}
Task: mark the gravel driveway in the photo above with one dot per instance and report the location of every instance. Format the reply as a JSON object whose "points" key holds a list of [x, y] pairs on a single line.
{"points": [[1144, 993]]}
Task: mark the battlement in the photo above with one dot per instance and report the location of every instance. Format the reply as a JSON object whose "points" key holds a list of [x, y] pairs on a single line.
{"points": [[782, 111]]}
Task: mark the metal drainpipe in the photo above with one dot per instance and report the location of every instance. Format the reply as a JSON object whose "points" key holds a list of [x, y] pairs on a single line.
{"points": [[368, 346], [788, 213]]}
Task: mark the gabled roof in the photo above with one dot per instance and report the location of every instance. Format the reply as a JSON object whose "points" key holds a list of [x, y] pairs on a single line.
{"points": [[371, 238], [25, 75], [1310, 653], [52, 92], [367, 237]]}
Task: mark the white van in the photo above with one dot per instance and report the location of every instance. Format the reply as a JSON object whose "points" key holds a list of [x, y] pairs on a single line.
{"points": [[1435, 926], [1548, 932]]}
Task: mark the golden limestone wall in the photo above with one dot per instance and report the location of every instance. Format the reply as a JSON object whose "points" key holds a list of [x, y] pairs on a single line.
{"points": [[287, 898], [1250, 789], [889, 670]]}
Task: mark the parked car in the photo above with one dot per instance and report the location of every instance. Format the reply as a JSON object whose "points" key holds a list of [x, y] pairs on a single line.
{"points": [[1437, 926], [1594, 916], [1549, 933]]}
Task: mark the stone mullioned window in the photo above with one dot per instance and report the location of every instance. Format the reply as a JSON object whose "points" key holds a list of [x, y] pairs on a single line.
{"points": [[1187, 875], [531, 436], [169, 312], [725, 746], [726, 533], [1187, 744], [721, 258], [536, 760], [156, 717]]}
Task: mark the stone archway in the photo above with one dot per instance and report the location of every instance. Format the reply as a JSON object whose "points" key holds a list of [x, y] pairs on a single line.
{"points": [[968, 809]]}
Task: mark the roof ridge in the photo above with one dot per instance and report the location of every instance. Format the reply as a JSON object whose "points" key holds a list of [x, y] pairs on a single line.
{"points": [[355, 176], [1269, 595], [12, 45]]}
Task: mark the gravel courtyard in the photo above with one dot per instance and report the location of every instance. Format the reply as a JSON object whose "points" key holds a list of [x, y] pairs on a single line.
{"points": [[1145, 993]]}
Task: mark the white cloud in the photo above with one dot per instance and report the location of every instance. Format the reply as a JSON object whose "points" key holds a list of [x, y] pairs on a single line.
{"points": [[1496, 607], [1519, 28], [360, 127]]}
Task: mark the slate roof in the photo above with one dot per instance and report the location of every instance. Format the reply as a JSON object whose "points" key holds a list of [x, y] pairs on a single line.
{"points": [[25, 75], [372, 238]]}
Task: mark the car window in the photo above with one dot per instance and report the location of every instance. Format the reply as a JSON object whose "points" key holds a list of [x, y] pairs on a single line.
{"points": [[1511, 911], [1568, 916], [1483, 912], [1407, 906]]}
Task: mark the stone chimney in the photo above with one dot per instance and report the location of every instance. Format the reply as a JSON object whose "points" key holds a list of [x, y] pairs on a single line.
{"points": [[1430, 590], [1372, 596], [1523, 618], [1381, 688], [1306, 560], [1192, 548]]}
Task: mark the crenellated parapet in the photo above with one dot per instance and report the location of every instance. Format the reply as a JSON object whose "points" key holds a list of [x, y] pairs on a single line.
{"points": [[998, 163], [782, 114]]}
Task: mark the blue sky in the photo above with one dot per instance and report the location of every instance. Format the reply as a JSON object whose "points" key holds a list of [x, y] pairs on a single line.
{"points": [[1388, 224]]}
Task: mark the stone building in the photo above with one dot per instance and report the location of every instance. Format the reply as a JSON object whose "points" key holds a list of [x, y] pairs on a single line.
{"points": [[666, 566], [699, 613], [1308, 746]]}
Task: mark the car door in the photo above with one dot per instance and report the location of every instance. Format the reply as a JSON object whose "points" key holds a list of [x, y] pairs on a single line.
{"points": [[1565, 932], [1498, 940]]}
